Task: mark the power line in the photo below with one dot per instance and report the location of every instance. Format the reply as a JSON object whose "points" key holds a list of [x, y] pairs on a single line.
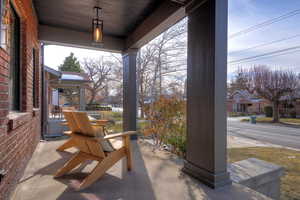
{"points": [[269, 56], [287, 53], [265, 23], [264, 54], [266, 44]]}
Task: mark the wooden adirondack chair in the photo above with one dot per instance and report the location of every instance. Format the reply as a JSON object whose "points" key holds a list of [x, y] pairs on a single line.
{"points": [[68, 108], [71, 123], [94, 145]]}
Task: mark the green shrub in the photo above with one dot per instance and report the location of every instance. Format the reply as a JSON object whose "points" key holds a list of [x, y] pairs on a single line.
{"points": [[238, 114], [268, 111], [98, 107], [117, 115], [233, 114], [110, 115]]}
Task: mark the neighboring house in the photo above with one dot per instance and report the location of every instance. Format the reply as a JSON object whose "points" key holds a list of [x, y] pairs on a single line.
{"points": [[241, 101], [290, 105]]}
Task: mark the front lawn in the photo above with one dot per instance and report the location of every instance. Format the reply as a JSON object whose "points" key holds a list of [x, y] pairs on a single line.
{"points": [[294, 121], [289, 159], [118, 127]]}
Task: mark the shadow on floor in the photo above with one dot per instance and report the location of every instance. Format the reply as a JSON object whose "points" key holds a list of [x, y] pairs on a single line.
{"points": [[155, 176], [117, 183]]}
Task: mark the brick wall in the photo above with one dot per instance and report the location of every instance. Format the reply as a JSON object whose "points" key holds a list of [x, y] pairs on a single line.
{"points": [[19, 132]]}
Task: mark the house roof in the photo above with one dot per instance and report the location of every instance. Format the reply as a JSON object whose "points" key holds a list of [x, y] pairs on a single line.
{"points": [[52, 71], [67, 79], [246, 96], [74, 76]]}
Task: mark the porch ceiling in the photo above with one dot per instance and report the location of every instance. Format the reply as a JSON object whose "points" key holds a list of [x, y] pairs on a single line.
{"points": [[120, 17], [123, 21]]}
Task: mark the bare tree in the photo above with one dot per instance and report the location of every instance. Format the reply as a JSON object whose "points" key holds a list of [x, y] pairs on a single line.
{"points": [[98, 71], [238, 82], [270, 84], [144, 75], [170, 54], [160, 58], [116, 79]]}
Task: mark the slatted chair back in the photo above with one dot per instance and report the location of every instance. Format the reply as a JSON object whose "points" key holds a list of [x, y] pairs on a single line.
{"points": [[71, 121], [90, 130], [84, 124]]}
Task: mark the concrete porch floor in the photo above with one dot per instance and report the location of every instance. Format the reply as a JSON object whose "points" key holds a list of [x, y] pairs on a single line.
{"points": [[156, 176]]}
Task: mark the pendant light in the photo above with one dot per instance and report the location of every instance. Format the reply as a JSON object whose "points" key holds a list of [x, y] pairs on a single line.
{"points": [[97, 27]]}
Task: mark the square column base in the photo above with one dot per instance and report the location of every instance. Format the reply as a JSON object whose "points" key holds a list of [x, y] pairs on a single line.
{"points": [[208, 178]]}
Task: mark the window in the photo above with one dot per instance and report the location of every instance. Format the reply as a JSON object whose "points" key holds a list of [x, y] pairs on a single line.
{"points": [[1, 18], [3, 23], [14, 52], [35, 76]]}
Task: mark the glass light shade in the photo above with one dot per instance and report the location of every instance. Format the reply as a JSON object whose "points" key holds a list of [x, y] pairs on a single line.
{"points": [[97, 27], [98, 35]]}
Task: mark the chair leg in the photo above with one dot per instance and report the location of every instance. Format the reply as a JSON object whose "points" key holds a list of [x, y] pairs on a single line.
{"points": [[102, 167], [128, 153], [71, 164], [68, 144]]}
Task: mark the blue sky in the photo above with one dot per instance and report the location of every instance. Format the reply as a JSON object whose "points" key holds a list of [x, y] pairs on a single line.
{"points": [[246, 13], [242, 14]]}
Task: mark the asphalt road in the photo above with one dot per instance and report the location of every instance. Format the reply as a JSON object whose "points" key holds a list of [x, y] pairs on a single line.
{"points": [[274, 134]]}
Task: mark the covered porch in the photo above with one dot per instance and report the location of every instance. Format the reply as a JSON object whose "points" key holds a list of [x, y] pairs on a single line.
{"points": [[155, 176], [127, 27]]}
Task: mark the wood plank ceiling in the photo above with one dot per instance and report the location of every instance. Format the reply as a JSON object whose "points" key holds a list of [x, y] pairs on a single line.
{"points": [[120, 16]]}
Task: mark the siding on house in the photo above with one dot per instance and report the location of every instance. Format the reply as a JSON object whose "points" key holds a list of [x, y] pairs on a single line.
{"points": [[19, 132], [243, 102]]}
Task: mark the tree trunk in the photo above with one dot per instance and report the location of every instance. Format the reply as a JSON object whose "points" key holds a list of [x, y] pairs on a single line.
{"points": [[275, 111], [93, 95], [142, 112], [142, 106]]}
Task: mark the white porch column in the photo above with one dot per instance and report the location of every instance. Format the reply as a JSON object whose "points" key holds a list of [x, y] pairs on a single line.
{"points": [[44, 97]]}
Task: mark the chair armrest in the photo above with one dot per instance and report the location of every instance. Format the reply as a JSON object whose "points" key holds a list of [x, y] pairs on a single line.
{"points": [[95, 124], [67, 132], [64, 124], [123, 134], [100, 122], [110, 136]]}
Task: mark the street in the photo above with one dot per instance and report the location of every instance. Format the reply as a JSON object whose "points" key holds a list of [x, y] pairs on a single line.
{"points": [[274, 134]]}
